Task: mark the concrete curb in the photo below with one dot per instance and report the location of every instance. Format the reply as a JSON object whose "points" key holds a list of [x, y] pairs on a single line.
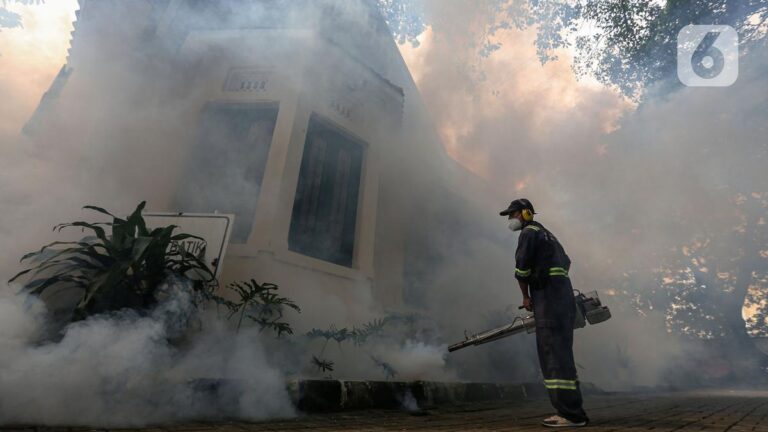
{"points": [[338, 395]]}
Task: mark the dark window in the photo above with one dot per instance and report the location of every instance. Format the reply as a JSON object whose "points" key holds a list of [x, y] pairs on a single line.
{"points": [[325, 208], [226, 164]]}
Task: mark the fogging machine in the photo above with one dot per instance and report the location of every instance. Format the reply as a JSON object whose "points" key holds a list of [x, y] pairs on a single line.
{"points": [[588, 310]]}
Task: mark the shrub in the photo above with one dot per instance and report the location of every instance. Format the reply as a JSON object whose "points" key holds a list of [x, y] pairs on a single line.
{"points": [[122, 268]]}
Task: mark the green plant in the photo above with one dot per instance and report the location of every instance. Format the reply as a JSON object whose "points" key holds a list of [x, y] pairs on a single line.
{"points": [[260, 303], [323, 365], [358, 336], [386, 368], [371, 328], [333, 333], [121, 269]]}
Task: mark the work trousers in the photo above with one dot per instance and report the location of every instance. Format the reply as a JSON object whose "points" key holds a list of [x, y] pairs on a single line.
{"points": [[555, 309]]}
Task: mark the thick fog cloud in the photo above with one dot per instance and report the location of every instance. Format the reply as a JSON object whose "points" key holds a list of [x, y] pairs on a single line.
{"points": [[122, 370], [622, 186], [619, 184]]}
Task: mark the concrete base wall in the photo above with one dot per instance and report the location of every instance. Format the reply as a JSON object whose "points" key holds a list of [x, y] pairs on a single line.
{"points": [[335, 395]]}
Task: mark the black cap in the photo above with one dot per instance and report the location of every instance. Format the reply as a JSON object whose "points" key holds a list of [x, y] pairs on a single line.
{"points": [[517, 205]]}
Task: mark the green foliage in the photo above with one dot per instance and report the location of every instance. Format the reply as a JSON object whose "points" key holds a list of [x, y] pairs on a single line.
{"points": [[626, 44], [700, 288], [371, 328], [394, 327], [405, 19], [121, 269], [259, 303], [358, 336], [633, 43], [10, 19], [338, 335], [624, 52], [389, 371], [323, 365]]}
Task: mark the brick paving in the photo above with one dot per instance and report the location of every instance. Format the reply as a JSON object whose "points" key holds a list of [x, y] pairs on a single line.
{"points": [[723, 411]]}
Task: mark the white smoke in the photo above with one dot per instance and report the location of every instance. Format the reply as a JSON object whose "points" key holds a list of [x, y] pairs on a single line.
{"points": [[416, 360], [121, 369], [621, 185], [606, 178]]}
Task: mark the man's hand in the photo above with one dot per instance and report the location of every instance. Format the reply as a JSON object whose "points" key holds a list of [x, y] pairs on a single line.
{"points": [[528, 304]]}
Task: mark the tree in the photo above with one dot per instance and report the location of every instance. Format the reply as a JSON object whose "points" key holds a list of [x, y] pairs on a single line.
{"points": [[405, 19], [702, 288], [10, 19], [632, 43]]}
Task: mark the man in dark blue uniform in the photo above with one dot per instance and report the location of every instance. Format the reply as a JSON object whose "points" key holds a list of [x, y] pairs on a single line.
{"points": [[541, 269]]}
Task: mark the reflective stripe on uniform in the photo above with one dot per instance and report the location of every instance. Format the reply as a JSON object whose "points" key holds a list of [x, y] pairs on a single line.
{"points": [[558, 271], [560, 384], [533, 227], [522, 272]]}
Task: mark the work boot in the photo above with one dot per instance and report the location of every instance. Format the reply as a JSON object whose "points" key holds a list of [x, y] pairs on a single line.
{"points": [[557, 421]]}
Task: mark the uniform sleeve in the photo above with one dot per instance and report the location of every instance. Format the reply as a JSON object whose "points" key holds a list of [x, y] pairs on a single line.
{"points": [[524, 256]]}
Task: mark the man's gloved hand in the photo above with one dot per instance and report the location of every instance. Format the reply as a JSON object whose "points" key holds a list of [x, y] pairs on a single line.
{"points": [[527, 304]]}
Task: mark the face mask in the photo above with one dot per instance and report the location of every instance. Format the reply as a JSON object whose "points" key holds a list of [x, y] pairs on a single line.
{"points": [[515, 224]]}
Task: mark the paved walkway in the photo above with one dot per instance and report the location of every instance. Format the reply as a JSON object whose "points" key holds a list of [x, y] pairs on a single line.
{"points": [[725, 411]]}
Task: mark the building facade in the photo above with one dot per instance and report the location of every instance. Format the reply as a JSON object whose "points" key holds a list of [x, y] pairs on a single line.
{"points": [[298, 117]]}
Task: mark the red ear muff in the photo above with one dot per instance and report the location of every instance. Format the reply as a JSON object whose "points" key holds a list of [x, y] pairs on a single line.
{"points": [[527, 215]]}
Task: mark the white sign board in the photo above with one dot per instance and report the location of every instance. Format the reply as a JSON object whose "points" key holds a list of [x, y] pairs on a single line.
{"points": [[214, 229]]}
